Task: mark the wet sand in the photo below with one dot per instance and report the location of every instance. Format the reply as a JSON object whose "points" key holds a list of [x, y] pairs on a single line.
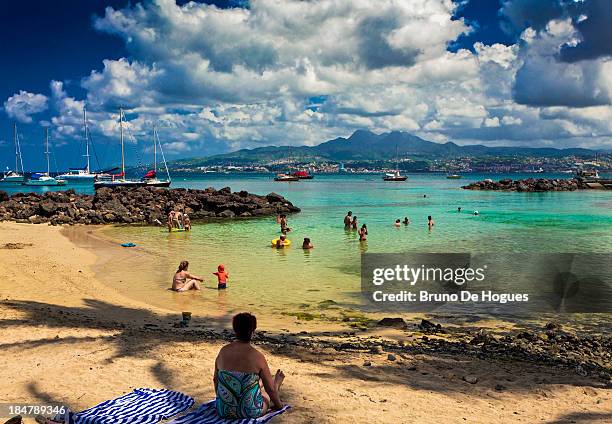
{"points": [[68, 337]]}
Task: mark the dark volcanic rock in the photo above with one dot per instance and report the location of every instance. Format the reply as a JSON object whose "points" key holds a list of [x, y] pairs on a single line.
{"points": [[392, 322], [142, 205], [528, 185]]}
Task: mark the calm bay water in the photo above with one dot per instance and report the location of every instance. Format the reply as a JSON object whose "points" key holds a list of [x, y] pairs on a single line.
{"points": [[272, 280]]}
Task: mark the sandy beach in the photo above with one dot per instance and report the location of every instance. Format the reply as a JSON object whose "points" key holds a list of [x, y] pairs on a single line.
{"points": [[69, 338]]}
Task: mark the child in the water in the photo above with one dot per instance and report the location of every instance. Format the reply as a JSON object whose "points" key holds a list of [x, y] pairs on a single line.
{"points": [[222, 276]]}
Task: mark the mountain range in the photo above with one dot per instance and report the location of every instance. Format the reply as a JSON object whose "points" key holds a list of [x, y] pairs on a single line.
{"points": [[365, 145]]}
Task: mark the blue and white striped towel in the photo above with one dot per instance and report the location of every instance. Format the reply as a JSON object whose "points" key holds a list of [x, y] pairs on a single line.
{"points": [[207, 414], [142, 406]]}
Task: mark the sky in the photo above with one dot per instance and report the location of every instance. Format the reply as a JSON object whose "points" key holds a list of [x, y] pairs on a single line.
{"points": [[216, 76]]}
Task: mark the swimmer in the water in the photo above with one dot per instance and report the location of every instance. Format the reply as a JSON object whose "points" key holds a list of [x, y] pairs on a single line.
{"points": [[459, 209], [354, 223], [363, 232], [280, 243], [183, 280], [398, 223], [282, 220], [406, 220], [430, 222], [307, 244], [348, 219], [476, 213]]}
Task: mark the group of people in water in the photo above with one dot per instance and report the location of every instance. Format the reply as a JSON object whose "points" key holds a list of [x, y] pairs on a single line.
{"points": [[178, 220], [351, 223], [183, 280]]}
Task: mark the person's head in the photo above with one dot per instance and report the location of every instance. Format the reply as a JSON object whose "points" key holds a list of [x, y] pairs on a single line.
{"points": [[364, 227], [429, 218], [279, 243], [355, 218], [221, 268], [349, 213], [244, 325], [183, 266], [306, 240], [397, 221], [283, 237]]}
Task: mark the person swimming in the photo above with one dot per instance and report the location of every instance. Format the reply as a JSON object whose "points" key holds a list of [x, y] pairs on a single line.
{"points": [[307, 244], [398, 222], [241, 371], [354, 223], [430, 222], [348, 219], [363, 232], [282, 220], [476, 213], [222, 277], [281, 241], [406, 220], [459, 209], [183, 280]]}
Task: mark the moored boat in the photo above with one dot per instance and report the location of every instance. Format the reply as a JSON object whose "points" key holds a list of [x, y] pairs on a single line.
{"points": [[150, 178], [285, 177], [303, 175], [15, 176], [454, 177], [44, 179], [119, 180], [395, 175]]}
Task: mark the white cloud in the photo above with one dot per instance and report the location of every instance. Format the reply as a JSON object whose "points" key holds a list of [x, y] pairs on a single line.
{"points": [[22, 105]]}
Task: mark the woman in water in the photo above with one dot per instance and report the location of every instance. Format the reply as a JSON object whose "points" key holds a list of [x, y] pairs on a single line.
{"points": [[307, 244], [183, 280], [239, 369], [406, 220], [398, 223], [354, 223], [363, 232], [430, 222]]}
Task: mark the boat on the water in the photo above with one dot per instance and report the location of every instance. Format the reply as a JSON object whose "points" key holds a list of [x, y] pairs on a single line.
{"points": [[303, 175], [285, 177], [454, 177], [15, 176], [591, 178], [83, 175], [395, 175], [150, 178], [118, 180], [44, 179]]}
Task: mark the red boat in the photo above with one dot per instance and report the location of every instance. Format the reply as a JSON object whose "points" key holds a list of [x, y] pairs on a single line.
{"points": [[303, 175]]}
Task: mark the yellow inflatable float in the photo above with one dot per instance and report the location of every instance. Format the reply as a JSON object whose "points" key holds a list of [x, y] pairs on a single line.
{"points": [[285, 243]]}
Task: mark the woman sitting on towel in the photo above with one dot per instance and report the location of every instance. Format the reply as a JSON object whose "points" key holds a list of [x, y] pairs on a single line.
{"points": [[239, 368]]}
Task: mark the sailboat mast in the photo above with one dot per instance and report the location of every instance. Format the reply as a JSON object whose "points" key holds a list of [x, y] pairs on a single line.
{"points": [[154, 149], [16, 148], [122, 148], [86, 135], [47, 150]]}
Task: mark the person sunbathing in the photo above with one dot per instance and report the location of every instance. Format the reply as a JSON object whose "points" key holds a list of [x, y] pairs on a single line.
{"points": [[183, 280], [239, 368]]}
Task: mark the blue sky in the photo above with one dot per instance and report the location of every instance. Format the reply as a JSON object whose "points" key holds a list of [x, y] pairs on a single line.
{"points": [[218, 76]]}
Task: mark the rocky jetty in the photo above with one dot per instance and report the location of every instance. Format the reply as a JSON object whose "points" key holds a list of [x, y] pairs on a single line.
{"points": [[143, 205], [529, 185]]}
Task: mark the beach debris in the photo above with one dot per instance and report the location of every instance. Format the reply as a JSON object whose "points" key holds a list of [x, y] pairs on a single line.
{"points": [[12, 246], [391, 357], [367, 364], [472, 379], [128, 245], [500, 387], [429, 327], [376, 349], [393, 323]]}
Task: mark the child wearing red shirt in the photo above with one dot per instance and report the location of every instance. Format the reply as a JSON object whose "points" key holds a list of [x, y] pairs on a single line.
{"points": [[222, 276]]}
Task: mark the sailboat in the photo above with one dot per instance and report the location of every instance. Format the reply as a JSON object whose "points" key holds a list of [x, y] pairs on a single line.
{"points": [[84, 175], [119, 180], [395, 175], [44, 179], [15, 176], [150, 177]]}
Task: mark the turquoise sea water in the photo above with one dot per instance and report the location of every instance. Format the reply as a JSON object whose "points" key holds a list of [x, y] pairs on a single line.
{"points": [[273, 280]]}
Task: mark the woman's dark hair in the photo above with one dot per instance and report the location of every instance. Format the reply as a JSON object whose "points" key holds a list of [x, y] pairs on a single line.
{"points": [[364, 226], [429, 218], [306, 240], [183, 266], [244, 325]]}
